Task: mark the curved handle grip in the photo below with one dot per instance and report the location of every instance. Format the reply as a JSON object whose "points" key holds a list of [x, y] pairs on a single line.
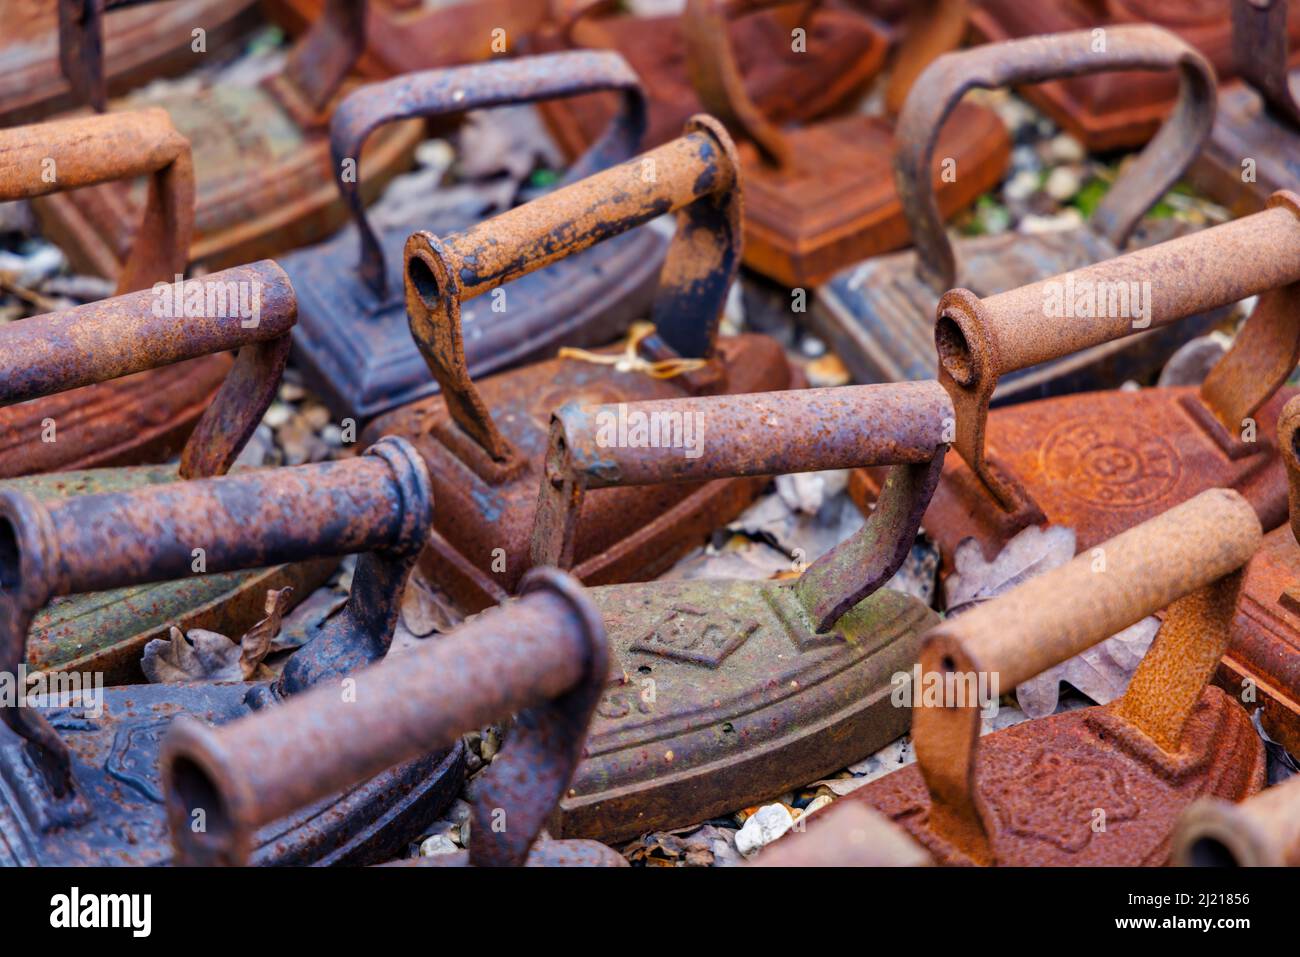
{"points": [[1261, 831], [1187, 558], [68, 154], [1259, 54], [320, 59], [543, 654], [695, 176], [1033, 60], [81, 47], [250, 308], [904, 425], [480, 86]]}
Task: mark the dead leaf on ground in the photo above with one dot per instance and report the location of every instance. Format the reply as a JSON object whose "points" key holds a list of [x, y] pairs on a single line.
{"points": [[1031, 552], [201, 655], [426, 610]]}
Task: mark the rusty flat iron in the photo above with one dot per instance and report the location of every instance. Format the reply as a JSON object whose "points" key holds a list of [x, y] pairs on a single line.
{"points": [[1094, 786], [842, 51], [485, 443], [49, 355], [878, 315], [541, 657], [133, 45], [143, 418], [725, 693], [261, 157], [1113, 110], [1251, 153], [80, 764], [1261, 831], [1101, 462], [352, 340], [403, 36]]}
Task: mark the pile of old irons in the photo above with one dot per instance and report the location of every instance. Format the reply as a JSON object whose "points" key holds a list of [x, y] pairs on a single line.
{"points": [[1101, 462], [50, 355], [1251, 152], [541, 657], [261, 158], [1099, 785], [1261, 831], [352, 340], [485, 443], [879, 315], [80, 770], [142, 418], [725, 693]]}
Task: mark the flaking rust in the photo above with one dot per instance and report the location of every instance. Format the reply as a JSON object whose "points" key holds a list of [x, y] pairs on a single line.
{"points": [[726, 693], [82, 784], [879, 315], [1096, 786], [485, 443]]}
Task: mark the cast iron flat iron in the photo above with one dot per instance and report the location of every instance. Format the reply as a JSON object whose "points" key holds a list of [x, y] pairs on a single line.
{"points": [[1094, 786], [1101, 462], [485, 443], [878, 315], [142, 418], [726, 693], [261, 158], [1261, 831], [353, 342], [49, 355], [541, 657], [1113, 110], [80, 766]]}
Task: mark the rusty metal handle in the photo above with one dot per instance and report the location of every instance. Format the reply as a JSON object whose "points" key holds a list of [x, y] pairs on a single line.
{"points": [[932, 27], [543, 654], [59, 351], [320, 59], [477, 87], [944, 82], [68, 154], [904, 425], [696, 176], [1261, 831], [1259, 54], [81, 47], [979, 340], [1187, 558]]}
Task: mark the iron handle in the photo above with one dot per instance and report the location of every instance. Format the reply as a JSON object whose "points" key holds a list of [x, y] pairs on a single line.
{"points": [[477, 87], [1261, 831], [1259, 54], [543, 654], [320, 59], [945, 81], [81, 46]]}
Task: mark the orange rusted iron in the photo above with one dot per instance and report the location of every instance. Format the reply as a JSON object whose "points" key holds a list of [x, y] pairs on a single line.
{"points": [[261, 158], [144, 418], [1101, 462], [485, 443], [1261, 831], [878, 315], [726, 693], [843, 52], [1100, 785], [353, 343], [541, 658], [1116, 110], [128, 47], [1251, 152], [60, 353], [79, 763]]}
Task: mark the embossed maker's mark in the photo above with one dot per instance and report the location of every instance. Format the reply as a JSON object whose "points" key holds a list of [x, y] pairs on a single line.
{"points": [[1110, 463], [133, 759], [696, 635]]}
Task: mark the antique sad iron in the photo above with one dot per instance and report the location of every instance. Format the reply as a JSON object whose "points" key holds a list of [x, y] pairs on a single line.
{"points": [[1094, 786], [541, 657], [1101, 462], [135, 46], [485, 444], [726, 693], [1261, 831], [1251, 153], [79, 767], [53, 354], [879, 315], [1114, 110], [790, 82], [261, 158], [143, 418], [353, 342]]}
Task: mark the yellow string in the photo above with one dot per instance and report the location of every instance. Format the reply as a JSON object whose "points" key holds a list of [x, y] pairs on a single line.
{"points": [[629, 360]]}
